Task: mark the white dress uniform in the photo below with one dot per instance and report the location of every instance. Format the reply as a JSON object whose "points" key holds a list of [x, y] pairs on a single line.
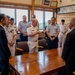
{"points": [[62, 36], [10, 32], [32, 41]]}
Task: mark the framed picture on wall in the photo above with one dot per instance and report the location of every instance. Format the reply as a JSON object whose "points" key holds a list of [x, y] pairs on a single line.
{"points": [[53, 3], [46, 2], [38, 2], [67, 9]]}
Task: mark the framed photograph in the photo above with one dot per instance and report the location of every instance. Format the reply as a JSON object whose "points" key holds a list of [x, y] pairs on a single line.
{"points": [[46, 2], [67, 9], [53, 3], [38, 2]]}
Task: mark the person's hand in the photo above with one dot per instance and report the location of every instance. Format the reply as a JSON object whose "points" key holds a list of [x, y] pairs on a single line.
{"points": [[38, 32], [44, 31], [52, 38], [24, 34], [10, 43]]}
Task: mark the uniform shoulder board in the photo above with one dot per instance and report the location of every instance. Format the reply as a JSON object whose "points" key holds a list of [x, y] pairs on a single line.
{"points": [[29, 26]]}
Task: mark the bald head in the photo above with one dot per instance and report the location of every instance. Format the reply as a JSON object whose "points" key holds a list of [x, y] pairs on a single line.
{"points": [[72, 23], [34, 22]]}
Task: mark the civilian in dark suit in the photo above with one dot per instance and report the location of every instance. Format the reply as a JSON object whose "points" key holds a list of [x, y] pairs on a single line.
{"points": [[4, 50], [68, 53]]}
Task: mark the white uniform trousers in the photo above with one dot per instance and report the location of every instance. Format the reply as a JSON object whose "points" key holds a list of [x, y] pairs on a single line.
{"points": [[61, 39], [12, 50], [33, 46]]}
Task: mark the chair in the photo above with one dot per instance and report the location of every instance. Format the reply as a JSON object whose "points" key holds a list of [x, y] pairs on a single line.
{"points": [[22, 47], [43, 44]]}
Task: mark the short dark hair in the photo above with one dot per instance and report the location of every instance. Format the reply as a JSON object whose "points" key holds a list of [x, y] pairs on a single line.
{"points": [[8, 16], [2, 16], [53, 18], [62, 20], [24, 15], [33, 16], [12, 19]]}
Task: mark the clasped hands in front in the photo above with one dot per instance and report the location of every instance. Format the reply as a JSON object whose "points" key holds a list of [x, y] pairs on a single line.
{"points": [[11, 43]]}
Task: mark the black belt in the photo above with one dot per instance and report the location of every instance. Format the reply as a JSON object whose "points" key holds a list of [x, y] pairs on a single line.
{"points": [[52, 36]]}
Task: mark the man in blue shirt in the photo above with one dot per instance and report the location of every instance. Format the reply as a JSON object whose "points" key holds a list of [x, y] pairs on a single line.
{"points": [[22, 27], [52, 32]]}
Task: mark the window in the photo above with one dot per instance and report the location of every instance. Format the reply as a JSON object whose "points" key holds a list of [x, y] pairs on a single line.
{"points": [[8, 11], [39, 17], [48, 16], [19, 15]]}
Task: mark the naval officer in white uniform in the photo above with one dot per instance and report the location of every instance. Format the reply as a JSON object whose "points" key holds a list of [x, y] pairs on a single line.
{"points": [[11, 36], [33, 33], [62, 34]]}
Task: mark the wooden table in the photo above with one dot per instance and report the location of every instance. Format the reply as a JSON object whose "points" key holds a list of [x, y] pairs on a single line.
{"points": [[41, 63]]}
